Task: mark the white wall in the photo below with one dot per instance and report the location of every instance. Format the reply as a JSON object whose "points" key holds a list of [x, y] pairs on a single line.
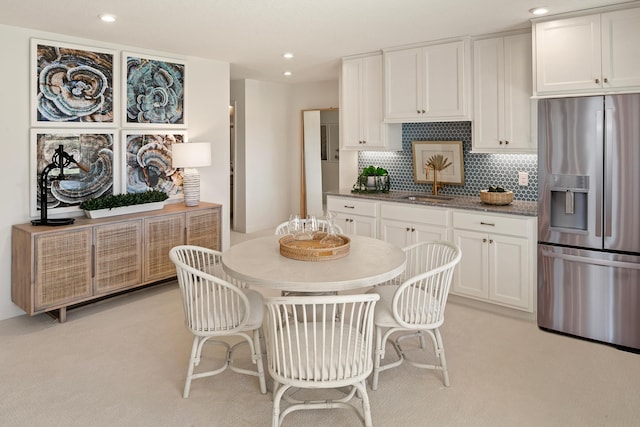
{"points": [[268, 139], [208, 120]]}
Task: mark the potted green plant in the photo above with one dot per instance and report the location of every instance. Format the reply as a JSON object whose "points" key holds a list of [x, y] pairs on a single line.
{"points": [[373, 179], [119, 204]]}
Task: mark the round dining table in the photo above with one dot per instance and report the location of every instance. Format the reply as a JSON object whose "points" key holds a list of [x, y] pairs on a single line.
{"points": [[258, 263]]}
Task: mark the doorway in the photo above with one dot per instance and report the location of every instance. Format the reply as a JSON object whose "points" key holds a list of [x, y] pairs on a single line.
{"points": [[321, 156]]}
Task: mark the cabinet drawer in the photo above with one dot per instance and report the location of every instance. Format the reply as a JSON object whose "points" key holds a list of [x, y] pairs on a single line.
{"points": [[513, 226], [414, 214], [350, 205]]}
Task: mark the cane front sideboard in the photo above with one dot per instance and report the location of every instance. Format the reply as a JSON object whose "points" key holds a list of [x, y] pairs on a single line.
{"points": [[53, 268]]}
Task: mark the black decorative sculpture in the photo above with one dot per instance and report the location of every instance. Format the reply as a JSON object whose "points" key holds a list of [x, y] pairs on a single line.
{"points": [[61, 159]]}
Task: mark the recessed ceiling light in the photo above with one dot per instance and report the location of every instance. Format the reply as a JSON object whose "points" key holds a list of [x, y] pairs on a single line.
{"points": [[539, 10], [105, 17], [287, 55], [287, 73]]}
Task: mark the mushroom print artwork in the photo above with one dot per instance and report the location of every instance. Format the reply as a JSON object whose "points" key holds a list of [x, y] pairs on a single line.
{"points": [[155, 92], [93, 150], [73, 85], [148, 163]]}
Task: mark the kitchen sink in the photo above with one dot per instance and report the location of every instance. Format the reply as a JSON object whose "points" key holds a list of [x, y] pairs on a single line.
{"points": [[427, 198]]}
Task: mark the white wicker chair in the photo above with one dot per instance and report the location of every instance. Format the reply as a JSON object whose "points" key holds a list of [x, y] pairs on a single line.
{"points": [[319, 342], [418, 261], [215, 308], [416, 306], [323, 225], [209, 261]]}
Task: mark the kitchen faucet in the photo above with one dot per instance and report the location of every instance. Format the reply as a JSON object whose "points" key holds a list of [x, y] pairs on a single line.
{"points": [[436, 185]]}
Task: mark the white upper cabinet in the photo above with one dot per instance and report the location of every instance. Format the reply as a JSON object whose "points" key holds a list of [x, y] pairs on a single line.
{"points": [[621, 49], [428, 83], [502, 105], [597, 53], [361, 106]]}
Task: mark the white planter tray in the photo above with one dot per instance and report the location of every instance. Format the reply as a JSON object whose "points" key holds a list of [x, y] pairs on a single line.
{"points": [[124, 210]]}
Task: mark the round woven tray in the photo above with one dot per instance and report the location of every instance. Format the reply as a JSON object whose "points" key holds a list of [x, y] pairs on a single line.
{"points": [[495, 198], [313, 250]]}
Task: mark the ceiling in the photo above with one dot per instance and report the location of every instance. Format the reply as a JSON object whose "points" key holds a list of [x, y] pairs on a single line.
{"points": [[252, 35]]}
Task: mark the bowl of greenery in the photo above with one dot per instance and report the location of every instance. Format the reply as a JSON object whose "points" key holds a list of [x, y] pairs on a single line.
{"points": [[373, 179]]}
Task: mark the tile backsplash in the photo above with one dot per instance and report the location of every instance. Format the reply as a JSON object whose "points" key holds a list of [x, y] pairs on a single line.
{"points": [[480, 170]]}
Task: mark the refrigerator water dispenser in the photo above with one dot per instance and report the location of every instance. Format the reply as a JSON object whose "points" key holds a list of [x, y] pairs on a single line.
{"points": [[569, 202]]}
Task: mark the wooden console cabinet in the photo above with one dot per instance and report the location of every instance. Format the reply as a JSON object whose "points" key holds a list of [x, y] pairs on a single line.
{"points": [[56, 267]]}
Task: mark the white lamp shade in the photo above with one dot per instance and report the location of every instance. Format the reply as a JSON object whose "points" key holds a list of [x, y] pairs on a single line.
{"points": [[190, 154]]}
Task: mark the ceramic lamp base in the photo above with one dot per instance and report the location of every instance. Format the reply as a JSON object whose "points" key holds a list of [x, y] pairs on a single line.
{"points": [[191, 187]]}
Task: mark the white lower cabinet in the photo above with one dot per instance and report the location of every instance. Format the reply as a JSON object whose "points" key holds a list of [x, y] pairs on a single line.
{"points": [[355, 216], [498, 263], [404, 225]]}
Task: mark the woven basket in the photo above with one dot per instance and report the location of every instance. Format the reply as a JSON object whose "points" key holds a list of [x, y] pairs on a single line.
{"points": [[495, 198], [313, 250]]}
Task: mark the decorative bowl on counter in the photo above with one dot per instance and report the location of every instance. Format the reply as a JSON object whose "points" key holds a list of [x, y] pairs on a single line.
{"points": [[496, 198]]}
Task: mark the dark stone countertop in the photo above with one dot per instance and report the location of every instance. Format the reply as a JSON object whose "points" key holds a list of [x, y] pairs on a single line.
{"points": [[517, 207]]}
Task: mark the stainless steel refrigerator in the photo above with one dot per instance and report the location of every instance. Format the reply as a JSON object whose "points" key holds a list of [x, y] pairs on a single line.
{"points": [[589, 217]]}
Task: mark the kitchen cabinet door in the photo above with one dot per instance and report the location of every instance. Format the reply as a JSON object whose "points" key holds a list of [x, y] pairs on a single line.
{"points": [[509, 270], [568, 54], [361, 107], [403, 85], [403, 224], [502, 91], [621, 49], [427, 83], [396, 232], [498, 255], [445, 88], [590, 54], [355, 216], [403, 233], [471, 277], [362, 226]]}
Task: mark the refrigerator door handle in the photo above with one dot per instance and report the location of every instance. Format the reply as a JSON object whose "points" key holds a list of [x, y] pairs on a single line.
{"points": [[599, 167], [593, 261], [608, 178]]}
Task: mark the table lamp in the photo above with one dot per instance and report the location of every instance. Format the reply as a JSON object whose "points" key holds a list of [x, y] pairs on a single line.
{"points": [[190, 155]]}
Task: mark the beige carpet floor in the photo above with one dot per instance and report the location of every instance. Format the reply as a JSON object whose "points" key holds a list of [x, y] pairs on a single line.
{"points": [[122, 362]]}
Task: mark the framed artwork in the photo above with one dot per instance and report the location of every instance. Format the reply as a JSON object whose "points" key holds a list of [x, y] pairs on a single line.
{"points": [[92, 148], [153, 92], [452, 153], [72, 85], [148, 162]]}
